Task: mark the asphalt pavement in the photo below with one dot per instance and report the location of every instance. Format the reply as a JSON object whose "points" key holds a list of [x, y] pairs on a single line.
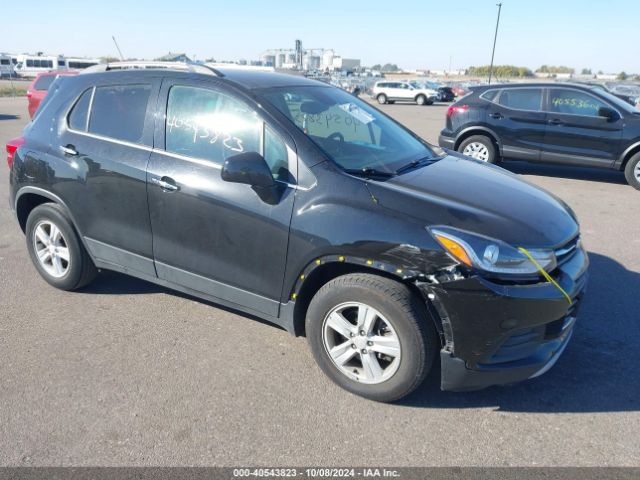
{"points": [[129, 373]]}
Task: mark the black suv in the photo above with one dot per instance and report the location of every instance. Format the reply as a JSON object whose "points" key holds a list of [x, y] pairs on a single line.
{"points": [[296, 202], [552, 123]]}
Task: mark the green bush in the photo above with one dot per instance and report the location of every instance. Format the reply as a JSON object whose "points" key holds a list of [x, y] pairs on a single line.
{"points": [[13, 92]]}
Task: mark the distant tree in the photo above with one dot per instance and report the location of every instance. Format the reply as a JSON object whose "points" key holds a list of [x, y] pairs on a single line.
{"points": [[554, 70], [210, 59], [622, 76], [586, 71], [600, 72], [504, 71], [109, 59], [377, 66], [390, 67]]}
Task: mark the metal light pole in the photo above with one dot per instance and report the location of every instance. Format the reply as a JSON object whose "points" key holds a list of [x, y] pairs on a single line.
{"points": [[495, 37], [117, 47]]}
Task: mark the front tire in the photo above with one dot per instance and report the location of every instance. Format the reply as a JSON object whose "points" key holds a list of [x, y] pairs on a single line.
{"points": [[382, 99], [421, 100], [371, 335], [479, 147], [632, 171], [55, 249]]}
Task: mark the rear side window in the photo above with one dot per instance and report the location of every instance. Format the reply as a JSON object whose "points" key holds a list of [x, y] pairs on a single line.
{"points": [[489, 95], [119, 111], [44, 82], [522, 98], [574, 102], [80, 112], [206, 124]]}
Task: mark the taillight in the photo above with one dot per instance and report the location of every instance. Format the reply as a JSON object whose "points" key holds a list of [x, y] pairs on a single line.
{"points": [[12, 146], [453, 109], [29, 93]]}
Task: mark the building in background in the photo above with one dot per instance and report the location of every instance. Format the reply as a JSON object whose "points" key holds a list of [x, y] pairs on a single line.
{"points": [[308, 59]]}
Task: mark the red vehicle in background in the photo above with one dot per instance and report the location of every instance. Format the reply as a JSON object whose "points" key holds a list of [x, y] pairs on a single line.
{"points": [[39, 87]]}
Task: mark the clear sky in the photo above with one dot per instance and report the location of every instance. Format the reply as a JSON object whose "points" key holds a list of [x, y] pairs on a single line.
{"points": [[596, 34]]}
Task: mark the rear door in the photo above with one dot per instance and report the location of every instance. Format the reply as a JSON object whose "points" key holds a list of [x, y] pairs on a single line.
{"points": [[212, 236], [516, 115], [404, 91], [576, 133], [106, 138]]}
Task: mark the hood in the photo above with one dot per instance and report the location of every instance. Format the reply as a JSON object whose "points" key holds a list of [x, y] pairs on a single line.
{"points": [[481, 198]]}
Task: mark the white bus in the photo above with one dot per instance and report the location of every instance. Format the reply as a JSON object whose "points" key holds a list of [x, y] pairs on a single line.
{"points": [[31, 65], [6, 65], [77, 63]]}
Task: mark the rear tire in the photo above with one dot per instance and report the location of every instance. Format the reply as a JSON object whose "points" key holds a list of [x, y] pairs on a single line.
{"points": [[632, 171], [56, 250], [421, 100], [398, 324], [382, 99], [479, 147]]}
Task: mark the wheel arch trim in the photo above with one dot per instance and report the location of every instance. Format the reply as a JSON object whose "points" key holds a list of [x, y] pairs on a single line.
{"points": [[57, 200], [626, 155], [301, 293], [476, 128]]}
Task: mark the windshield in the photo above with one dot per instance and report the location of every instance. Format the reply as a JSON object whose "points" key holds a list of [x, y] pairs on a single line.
{"points": [[617, 102], [350, 132]]}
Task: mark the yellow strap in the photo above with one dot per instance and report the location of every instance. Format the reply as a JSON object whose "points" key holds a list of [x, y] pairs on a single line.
{"points": [[545, 274]]}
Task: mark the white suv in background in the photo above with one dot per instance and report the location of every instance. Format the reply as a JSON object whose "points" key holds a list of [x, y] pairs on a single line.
{"points": [[391, 92]]}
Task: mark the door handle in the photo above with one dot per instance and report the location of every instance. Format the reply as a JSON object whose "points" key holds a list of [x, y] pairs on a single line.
{"points": [[555, 121], [167, 184], [68, 150], [496, 115]]}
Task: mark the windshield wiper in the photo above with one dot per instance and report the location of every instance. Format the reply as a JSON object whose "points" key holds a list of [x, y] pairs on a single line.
{"points": [[370, 172], [415, 163]]}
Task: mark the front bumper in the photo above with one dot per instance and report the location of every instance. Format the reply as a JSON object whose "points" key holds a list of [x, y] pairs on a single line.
{"points": [[497, 334]]}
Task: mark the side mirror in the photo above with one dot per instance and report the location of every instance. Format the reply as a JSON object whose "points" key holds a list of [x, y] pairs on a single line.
{"points": [[249, 168], [607, 113]]}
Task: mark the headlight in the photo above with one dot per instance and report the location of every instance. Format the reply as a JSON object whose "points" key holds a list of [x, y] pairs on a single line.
{"points": [[489, 254]]}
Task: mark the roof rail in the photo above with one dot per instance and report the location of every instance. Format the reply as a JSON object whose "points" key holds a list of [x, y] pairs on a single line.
{"points": [[133, 65]]}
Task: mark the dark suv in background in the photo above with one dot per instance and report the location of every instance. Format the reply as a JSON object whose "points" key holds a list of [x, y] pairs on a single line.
{"points": [[552, 123], [298, 203]]}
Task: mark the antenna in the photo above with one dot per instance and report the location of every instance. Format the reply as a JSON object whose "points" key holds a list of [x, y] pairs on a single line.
{"points": [[120, 52]]}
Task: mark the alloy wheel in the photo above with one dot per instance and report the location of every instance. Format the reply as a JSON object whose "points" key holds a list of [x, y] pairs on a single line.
{"points": [[51, 249], [361, 343], [477, 150]]}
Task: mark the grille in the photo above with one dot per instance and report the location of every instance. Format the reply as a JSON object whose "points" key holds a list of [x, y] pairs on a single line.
{"points": [[567, 251]]}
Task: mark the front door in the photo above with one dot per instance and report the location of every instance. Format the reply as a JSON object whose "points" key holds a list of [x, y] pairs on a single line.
{"points": [[212, 236], [576, 133]]}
